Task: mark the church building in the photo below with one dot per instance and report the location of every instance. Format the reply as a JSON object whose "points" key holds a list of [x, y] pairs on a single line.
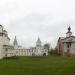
{"points": [[66, 45], [39, 50]]}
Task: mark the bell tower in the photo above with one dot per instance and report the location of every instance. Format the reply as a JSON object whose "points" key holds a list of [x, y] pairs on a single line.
{"points": [[69, 33], [15, 43], [38, 43]]}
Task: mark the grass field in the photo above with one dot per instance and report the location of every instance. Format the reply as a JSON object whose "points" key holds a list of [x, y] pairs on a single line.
{"points": [[52, 65]]}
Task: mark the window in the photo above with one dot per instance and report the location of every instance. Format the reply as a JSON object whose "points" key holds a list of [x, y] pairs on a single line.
{"points": [[68, 46], [6, 49]]}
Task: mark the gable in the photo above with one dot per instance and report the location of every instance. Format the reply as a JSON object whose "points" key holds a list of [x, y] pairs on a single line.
{"points": [[69, 39]]}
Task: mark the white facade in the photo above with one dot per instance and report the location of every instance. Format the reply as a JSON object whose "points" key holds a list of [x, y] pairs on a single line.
{"points": [[33, 51], [23, 52], [69, 45], [39, 50], [5, 48]]}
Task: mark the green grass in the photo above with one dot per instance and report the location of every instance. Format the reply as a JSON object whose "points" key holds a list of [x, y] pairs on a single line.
{"points": [[52, 65]]}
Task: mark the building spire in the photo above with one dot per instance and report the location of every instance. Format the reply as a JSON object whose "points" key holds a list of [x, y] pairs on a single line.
{"points": [[38, 43], [69, 33], [69, 29], [15, 43]]}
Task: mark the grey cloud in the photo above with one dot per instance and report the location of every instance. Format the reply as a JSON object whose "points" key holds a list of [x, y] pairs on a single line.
{"points": [[28, 20], [34, 25]]}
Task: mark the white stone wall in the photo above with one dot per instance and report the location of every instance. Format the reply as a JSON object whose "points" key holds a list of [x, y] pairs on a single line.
{"points": [[9, 53], [1, 29], [23, 52], [72, 48], [65, 47], [30, 52], [72, 51], [4, 40]]}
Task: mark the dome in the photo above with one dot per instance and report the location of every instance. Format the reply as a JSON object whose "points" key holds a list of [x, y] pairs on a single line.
{"points": [[69, 33]]}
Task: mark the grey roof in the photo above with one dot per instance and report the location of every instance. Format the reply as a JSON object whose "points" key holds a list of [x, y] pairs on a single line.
{"points": [[15, 41], [38, 41]]}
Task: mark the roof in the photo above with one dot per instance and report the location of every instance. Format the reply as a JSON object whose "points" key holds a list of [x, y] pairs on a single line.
{"points": [[15, 41], [38, 41], [61, 37], [68, 37]]}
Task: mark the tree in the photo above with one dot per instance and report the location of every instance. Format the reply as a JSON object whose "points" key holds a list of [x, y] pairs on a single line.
{"points": [[47, 46]]}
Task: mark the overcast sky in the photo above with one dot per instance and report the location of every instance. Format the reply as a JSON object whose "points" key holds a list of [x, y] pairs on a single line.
{"points": [[30, 19]]}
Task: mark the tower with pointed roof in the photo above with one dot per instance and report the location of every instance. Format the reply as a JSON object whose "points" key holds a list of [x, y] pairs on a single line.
{"points": [[38, 43], [15, 43], [69, 33]]}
